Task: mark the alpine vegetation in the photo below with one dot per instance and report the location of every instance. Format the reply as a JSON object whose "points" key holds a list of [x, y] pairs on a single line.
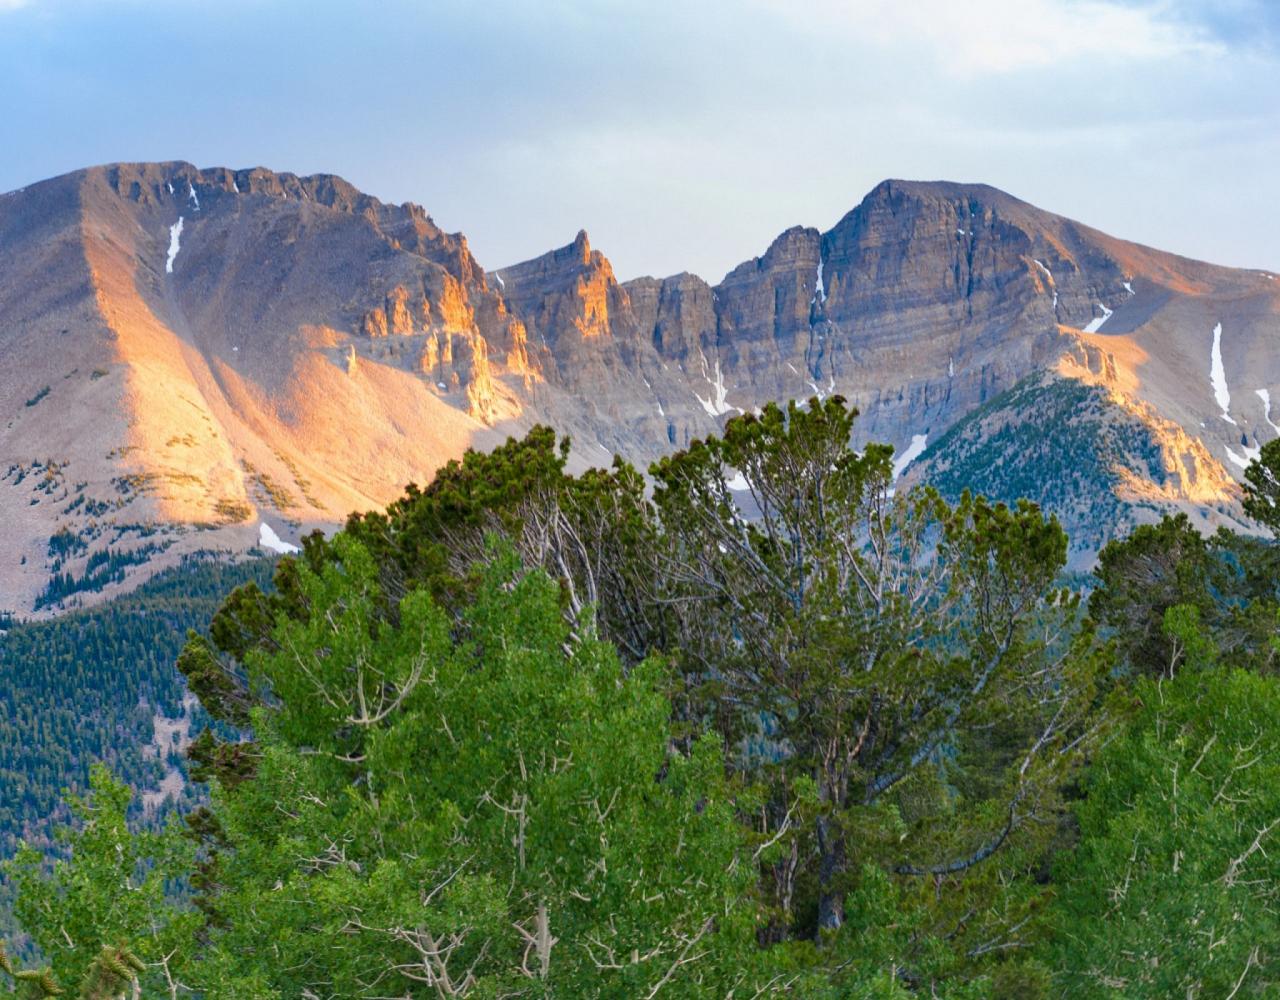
{"points": [[760, 723]]}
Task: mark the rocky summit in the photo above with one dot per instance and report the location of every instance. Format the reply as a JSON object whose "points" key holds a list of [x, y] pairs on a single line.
{"points": [[220, 359]]}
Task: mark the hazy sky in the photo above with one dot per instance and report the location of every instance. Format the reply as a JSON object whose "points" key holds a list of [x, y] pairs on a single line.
{"points": [[682, 135]]}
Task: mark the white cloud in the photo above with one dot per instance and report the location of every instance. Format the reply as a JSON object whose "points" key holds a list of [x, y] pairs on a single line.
{"points": [[11, 4], [982, 37]]}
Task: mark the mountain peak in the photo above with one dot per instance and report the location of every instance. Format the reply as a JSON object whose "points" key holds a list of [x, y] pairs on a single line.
{"points": [[936, 189], [558, 265]]}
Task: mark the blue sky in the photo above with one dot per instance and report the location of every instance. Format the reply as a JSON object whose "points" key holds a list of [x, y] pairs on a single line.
{"points": [[681, 135]]}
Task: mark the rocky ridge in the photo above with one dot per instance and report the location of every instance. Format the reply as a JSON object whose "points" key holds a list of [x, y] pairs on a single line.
{"points": [[190, 358]]}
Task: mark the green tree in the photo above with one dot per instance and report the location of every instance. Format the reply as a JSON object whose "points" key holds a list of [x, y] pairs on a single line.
{"points": [[474, 807], [103, 914], [1157, 567], [1173, 888], [914, 661], [1262, 487], [1231, 581], [895, 681]]}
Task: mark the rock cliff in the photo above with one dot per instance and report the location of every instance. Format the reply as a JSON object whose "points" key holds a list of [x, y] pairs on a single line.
{"points": [[188, 357]]}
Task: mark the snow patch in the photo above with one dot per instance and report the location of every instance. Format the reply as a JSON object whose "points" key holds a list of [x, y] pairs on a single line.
{"points": [[1052, 284], [951, 367], [169, 185], [738, 483], [793, 368], [1218, 376], [661, 412], [498, 278], [1265, 396], [191, 193], [268, 539], [1129, 288], [1096, 324], [1243, 460], [820, 290], [718, 404], [913, 451], [175, 234], [234, 186]]}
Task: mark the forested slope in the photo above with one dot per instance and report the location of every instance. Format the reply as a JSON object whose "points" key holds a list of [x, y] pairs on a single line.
{"points": [[85, 688]]}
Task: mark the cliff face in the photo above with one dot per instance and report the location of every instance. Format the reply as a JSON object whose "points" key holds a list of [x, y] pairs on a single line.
{"points": [[206, 351], [188, 354], [922, 303], [929, 303]]}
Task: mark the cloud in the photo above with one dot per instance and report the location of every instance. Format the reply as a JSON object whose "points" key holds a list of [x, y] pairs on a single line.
{"points": [[679, 134], [984, 37], [6, 5]]}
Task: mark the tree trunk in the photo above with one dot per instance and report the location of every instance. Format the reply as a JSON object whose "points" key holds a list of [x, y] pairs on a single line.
{"points": [[831, 855]]}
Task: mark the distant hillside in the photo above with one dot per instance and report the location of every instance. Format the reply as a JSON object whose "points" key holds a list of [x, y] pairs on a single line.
{"points": [[101, 685]]}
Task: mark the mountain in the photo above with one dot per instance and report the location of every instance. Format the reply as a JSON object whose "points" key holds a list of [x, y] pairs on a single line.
{"points": [[215, 359]]}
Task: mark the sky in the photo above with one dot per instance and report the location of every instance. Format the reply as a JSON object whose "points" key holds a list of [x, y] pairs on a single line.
{"points": [[681, 134]]}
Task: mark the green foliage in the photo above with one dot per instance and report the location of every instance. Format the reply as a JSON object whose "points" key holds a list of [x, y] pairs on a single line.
{"points": [[104, 567], [1157, 567], [897, 680], [1172, 891], [65, 542], [527, 733], [1262, 487], [487, 806], [110, 888], [1231, 583], [908, 657]]}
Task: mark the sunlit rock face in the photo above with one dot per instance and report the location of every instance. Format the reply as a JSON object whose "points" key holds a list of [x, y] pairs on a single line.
{"points": [[188, 354]]}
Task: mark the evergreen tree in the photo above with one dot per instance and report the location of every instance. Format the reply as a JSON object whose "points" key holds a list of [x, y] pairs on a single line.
{"points": [[1262, 487], [912, 660], [1232, 582], [898, 681]]}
